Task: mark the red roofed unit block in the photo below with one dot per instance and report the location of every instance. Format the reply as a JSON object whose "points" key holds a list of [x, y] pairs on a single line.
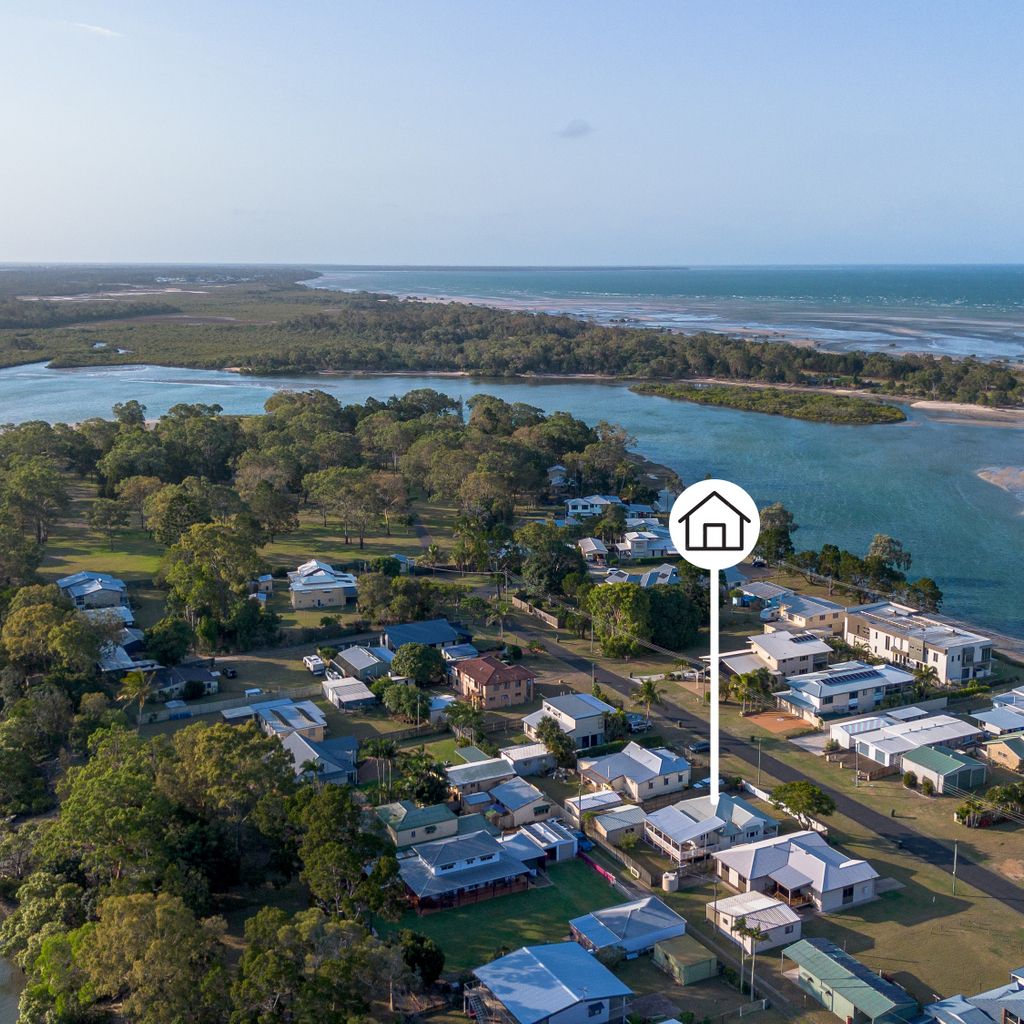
{"points": [[489, 683]]}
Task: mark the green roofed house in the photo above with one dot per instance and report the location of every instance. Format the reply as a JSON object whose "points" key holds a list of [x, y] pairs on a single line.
{"points": [[946, 769], [842, 984], [408, 824]]}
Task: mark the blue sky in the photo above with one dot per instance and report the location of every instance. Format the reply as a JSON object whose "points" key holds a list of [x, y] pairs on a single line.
{"points": [[533, 131]]}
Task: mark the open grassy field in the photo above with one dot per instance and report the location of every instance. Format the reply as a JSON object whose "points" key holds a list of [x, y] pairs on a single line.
{"points": [[471, 935]]}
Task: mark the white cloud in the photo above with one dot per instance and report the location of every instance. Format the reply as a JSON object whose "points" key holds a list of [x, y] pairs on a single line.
{"points": [[96, 30]]}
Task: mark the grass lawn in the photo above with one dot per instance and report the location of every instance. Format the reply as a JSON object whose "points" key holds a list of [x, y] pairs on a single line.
{"points": [[470, 935]]}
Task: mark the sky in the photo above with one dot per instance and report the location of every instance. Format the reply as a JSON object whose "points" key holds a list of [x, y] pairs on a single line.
{"points": [[528, 132]]}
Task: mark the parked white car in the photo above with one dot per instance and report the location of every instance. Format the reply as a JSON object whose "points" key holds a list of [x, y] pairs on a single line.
{"points": [[315, 664]]}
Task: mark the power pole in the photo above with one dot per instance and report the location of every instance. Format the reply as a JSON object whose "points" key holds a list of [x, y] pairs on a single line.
{"points": [[956, 851]]}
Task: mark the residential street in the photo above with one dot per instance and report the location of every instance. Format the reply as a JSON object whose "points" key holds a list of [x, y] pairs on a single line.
{"points": [[912, 841]]}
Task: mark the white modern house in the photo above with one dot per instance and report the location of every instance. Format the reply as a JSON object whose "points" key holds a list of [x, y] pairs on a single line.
{"points": [[316, 584], [781, 653], [847, 688], [639, 773], [662, 575], [906, 637], [646, 544], [799, 869], [581, 716], [591, 505]]}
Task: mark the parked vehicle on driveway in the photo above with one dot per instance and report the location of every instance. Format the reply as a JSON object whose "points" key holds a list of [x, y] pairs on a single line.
{"points": [[698, 747], [637, 722]]}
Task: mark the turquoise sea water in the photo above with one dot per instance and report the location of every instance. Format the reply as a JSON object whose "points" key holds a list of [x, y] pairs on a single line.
{"points": [[947, 310], [916, 481]]}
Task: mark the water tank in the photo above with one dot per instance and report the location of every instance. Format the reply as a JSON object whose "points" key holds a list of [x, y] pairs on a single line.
{"points": [[670, 881]]}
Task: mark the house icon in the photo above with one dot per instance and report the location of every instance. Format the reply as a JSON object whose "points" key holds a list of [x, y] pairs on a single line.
{"points": [[714, 524]]}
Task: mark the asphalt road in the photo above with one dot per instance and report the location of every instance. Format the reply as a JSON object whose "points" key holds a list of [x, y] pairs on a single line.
{"points": [[893, 829]]}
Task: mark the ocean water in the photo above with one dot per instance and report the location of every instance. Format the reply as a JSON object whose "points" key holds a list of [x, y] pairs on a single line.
{"points": [[917, 481], [946, 310]]}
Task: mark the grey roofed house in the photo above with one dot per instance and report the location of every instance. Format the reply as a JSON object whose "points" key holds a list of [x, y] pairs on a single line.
{"points": [[763, 591], [432, 632], [445, 867], [800, 861], [459, 652], [636, 763], [477, 773], [620, 817], [633, 927], [348, 692], [122, 611], [83, 587], [516, 793], [680, 828], [364, 662], [661, 575], [693, 828], [537, 983], [528, 758], [335, 758]]}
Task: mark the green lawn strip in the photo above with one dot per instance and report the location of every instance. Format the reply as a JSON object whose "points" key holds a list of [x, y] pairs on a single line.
{"points": [[471, 935]]}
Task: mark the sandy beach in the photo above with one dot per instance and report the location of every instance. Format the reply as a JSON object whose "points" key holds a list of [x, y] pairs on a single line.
{"points": [[965, 413]]}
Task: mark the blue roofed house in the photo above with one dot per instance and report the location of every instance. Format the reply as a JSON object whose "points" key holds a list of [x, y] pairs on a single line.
{"points": [[478, 776], [632, 927], [640, 773], [439, 633], [519, 802], [560, 983], [461, 869], [580, 716], [1001, 1005], [94, 590]]}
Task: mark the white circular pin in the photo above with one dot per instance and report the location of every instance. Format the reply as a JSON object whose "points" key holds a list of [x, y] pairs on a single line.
{"points": [[714, 524]]}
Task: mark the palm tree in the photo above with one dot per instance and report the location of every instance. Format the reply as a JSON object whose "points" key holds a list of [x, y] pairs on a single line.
{"points": [[135, 689], [383, 750], [925, 677], [756, 935], [649, 693], [433, 556], [497, 615], [465, 719]]}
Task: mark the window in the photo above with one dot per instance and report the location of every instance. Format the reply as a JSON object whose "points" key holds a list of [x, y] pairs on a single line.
{"points": [[789, 929], [650, 785], [430, 830], [594, 1009], [848, 894], [446, 867]]}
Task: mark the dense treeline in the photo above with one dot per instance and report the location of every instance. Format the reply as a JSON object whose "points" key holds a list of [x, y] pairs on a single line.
{"points": [[15, 313], [371, 333], [819, 406], [117, 896]]}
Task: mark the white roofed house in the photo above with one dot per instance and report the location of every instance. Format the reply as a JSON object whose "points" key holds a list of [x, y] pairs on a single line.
{"points": [[788, 654], [282, 717], [639, 773], [694, 829], [593, 549], [591, 505], [777, 921], [800, 869], [581, 716], [528, 758], [888, 735], [848, 688], [646, 544], [560, 983], [660, 576], [632, 927], [94, 590], [316, 584], [903, 636]]}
